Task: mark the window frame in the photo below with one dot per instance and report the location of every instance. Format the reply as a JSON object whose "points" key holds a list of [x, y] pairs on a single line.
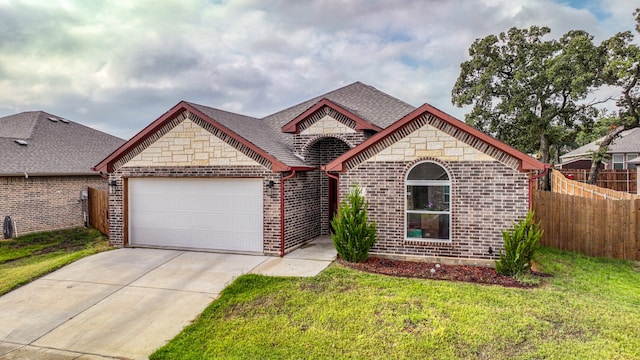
{"points": [[614, 162], [628, 157], [444, 183]]}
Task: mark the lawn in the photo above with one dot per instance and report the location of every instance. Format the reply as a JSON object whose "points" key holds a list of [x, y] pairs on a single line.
{"points": [[590, 309], [31, 256]]}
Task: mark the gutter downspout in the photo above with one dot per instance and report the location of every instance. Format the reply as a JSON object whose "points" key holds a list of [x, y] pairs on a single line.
{"points": [[293, 173], [532, 178]]}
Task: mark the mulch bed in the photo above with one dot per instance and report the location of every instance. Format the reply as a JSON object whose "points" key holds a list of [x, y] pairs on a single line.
{"points": [[423, 270]]}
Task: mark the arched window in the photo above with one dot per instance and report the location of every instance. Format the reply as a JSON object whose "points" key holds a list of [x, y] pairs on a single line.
{"points": [[428, 209]]}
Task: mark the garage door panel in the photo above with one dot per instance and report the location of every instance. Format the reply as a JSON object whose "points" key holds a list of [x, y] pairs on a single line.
{"points": [[217, 214]]}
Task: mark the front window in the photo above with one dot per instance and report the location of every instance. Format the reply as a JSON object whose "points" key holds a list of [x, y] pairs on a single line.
{"points": [[428, 213]]}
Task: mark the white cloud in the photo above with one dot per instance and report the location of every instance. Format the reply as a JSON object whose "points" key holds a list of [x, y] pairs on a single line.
{"points": [[121, 64]]}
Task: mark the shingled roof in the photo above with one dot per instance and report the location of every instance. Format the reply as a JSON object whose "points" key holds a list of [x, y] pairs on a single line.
{"points": [[627, 142], [266, 135], [50, 145], [367, 102]]}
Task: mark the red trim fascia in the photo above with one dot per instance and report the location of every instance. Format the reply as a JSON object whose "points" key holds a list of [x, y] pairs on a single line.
{"points": [[293, 173], [276, 165], [526, 161], [361, 124], [107, 163]]}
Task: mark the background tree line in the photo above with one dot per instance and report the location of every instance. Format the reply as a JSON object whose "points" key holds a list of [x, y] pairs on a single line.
{"points": [[533, 93]]}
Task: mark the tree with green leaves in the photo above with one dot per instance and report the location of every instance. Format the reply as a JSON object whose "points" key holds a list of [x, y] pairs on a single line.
{"points": [[529, 91], [621, 69]]}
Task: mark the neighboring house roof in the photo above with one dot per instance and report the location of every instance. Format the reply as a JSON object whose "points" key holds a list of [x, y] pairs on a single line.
{"points": [[526, 162], [634, 161], [627, 142], [59, 147]]}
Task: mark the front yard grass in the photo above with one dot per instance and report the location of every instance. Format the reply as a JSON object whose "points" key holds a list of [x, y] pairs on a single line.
{"points": [[31, 256], [590, 309]]}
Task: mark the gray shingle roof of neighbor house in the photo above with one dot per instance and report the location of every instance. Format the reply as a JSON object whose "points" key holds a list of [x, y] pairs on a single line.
{"points": [[51, 145], [627, 142]]}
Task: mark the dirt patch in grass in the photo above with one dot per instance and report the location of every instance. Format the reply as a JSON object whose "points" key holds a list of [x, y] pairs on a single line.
{"points": [[425, 270]]}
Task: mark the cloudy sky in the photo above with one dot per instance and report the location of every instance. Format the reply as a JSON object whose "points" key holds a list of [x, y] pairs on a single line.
{"points": [[118, 65]]}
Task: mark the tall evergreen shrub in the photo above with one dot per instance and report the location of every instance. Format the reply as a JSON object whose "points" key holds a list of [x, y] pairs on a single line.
{"points": [[353, 235], [520, 244]]}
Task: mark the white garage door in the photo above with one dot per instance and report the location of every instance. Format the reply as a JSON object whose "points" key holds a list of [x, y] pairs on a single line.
{"points": [[214, 214]]}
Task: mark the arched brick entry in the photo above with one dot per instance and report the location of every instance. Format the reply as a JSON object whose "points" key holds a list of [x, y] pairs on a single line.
{"points": [[319, 152]]}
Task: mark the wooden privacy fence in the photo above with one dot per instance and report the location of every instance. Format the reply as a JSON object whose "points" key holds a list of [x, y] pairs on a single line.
{"points": [[619, 180], [98, 205], [560, 184], [594, 227]]}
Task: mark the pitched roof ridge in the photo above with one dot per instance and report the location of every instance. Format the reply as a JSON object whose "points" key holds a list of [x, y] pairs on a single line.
{"points": [[221, 110], [371, 87], [315, 99]]}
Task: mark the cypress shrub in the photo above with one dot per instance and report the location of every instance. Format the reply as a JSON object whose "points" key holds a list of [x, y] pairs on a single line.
{"points": [[353, 236]]}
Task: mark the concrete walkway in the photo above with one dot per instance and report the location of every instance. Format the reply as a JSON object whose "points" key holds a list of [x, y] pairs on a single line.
{"points": [[126, 303]]}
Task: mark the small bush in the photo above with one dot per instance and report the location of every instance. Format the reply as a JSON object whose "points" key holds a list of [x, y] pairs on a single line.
{"points": [[353, 236], [520, 243]]}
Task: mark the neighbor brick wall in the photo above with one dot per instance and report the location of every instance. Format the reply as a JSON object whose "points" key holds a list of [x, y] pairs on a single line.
{"points": [[271, 197], [41, 203], [486, 197]]}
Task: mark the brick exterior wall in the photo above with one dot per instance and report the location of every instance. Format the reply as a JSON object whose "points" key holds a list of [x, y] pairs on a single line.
{"points": [[486, 197], [271, 197], [43, 203], [302, 213], [322, 152]]}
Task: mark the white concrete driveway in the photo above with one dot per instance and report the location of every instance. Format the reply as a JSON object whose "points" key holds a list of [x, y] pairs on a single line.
{"points": [[125, 303]]}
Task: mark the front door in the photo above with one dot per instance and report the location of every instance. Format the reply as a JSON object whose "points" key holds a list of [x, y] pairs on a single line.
{"points": [[333, 200]]}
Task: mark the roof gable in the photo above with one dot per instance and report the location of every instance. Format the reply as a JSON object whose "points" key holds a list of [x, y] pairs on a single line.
{"points": [[364, 101], [427, 114], [214, 121], [325, 107]]}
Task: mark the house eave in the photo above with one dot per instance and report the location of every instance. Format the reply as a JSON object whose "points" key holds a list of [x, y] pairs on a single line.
{"points": [[527, 163], [292, 127]]}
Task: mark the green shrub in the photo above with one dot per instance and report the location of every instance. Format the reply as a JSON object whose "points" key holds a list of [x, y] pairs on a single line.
{"points": [[353, 236], [520, 243]]}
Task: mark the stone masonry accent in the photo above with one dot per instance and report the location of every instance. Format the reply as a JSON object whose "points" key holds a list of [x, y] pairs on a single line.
{"points": [[188, 144], [428, 141], [327, 125], [486, 197], [44, 203]]}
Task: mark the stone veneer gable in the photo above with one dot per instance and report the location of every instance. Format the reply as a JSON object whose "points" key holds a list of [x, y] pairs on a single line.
{"points": [[428, 141], [327, 125], [430, 136], [188, 144]]}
